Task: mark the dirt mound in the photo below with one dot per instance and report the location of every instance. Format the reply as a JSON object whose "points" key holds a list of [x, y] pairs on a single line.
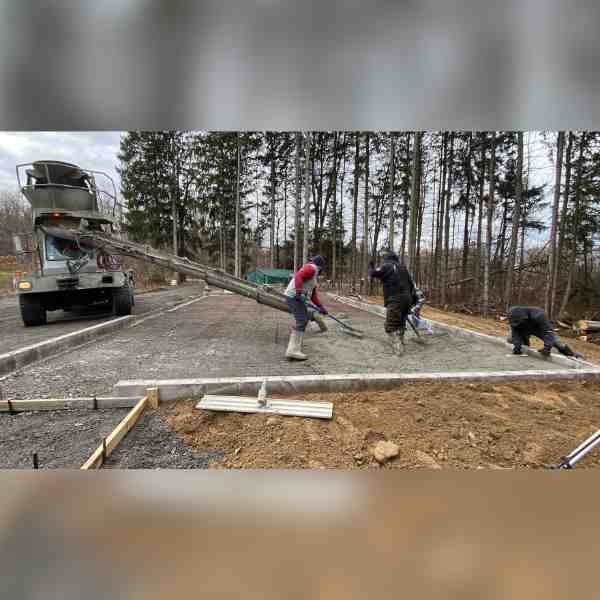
{"points": [[434, 425]]}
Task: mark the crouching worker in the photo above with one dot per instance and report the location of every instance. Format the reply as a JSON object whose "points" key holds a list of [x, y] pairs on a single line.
{"points": [[301, 288], [526, 321], [398, 292]]}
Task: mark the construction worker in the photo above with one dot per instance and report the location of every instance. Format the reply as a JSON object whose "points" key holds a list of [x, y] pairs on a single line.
{"points": [[526, 321], [398, 292], [301, 288]]}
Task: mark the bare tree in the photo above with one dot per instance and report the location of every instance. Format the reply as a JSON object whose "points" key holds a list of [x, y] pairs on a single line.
{"points": [[307, 189], [365, 261], [392, 209], [355, 204], [516, 220], [563, 221], [414, 201], [238, 221], [577, 210], [298, 207], [548, 305], [489, 228], [447, 220]]}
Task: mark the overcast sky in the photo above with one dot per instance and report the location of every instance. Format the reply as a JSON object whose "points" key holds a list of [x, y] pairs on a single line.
{"points": [[95, 150], [98, 150]]}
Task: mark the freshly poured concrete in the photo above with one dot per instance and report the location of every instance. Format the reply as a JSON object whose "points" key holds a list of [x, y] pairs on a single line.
{"points": [[228, 336]]}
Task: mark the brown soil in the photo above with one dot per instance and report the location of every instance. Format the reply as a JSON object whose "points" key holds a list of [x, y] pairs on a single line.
{"points": [[435, 425], [591, 352]]}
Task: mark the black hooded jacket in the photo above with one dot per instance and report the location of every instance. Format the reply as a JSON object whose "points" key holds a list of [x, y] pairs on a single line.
{"points": [[525, 321], [398, 285]]}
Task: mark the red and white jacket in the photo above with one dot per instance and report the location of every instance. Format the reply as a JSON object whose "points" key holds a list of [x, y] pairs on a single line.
{"points": [[305, 281]]}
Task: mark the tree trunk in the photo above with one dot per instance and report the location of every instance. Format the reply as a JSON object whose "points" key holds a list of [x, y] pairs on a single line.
{"points": [[392, 226], [489, 229], [405, 205], [431, 278], [440, 212], [307, 190], [516, 221], [448, 204], [480, 212], [465, 256], [238, 224], [365, 261], [558, 174], [355, 206], [573, 258], [298, 208], [563, 222], [414, 201], [272, 211], [334, 272]]}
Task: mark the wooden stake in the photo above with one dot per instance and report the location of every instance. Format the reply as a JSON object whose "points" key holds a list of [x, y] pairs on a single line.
{"points": [[153, 395], [112, 441]]}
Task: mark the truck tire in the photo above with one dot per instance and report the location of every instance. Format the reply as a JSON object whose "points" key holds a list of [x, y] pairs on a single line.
{"points": [[122, 301], [32, 311]]}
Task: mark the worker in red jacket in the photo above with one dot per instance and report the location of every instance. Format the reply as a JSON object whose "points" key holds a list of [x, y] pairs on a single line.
{"points": [[301, 288]]}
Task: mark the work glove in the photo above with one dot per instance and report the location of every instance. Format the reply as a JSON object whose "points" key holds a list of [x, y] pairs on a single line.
{"points": [[322, 310], [517, 350], [545, 352]]}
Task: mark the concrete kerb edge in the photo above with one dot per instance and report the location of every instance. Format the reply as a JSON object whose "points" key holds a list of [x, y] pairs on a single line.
{"points": [[17, 359], [22, 357], [554, 358], [175, 389]]}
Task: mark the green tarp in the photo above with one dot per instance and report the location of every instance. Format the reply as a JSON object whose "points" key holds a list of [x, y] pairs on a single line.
{"points": [[270, 276]]}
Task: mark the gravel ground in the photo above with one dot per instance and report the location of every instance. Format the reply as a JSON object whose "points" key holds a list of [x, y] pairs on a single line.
{"points": [[15, 335], [62, 438], [152, 444]]}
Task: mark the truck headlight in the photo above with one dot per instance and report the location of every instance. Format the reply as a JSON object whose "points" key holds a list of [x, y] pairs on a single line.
{"points": [[24, 285]]}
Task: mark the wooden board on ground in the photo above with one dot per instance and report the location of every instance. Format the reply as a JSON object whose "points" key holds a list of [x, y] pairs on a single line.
{"points": [[95, 461], [66, 403]]}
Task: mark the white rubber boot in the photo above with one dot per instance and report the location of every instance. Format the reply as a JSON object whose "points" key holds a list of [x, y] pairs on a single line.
{"points": [[320, 321], [294, 349], [395, 342], [401, 344]]}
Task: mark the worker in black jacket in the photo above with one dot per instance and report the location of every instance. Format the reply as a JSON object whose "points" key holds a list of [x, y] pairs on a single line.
{"points": [[398, 294], [526, 321]]}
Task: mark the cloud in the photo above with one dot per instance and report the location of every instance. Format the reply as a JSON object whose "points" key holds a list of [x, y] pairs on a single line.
{"points": [[95, 150]]}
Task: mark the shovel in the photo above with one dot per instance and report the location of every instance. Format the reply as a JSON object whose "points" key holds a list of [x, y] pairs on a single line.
{"points": [[420, 340], [345, 327]]}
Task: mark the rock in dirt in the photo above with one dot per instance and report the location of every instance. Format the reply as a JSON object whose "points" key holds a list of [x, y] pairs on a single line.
{"points": [[384, 451], [427, 460]]}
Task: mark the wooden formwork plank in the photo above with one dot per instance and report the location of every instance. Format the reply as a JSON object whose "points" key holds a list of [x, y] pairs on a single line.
{"points": [[112, 441], [66, 403]]}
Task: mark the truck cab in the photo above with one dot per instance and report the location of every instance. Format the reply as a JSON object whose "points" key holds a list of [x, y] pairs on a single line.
{"points": [[65, 274]]}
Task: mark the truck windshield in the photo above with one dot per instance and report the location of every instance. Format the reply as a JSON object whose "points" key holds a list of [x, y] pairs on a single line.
{"points": [[62, 249]]}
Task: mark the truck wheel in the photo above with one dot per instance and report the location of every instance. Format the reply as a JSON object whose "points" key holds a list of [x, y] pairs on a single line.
{"points": [[32, 312], [122, 301]]}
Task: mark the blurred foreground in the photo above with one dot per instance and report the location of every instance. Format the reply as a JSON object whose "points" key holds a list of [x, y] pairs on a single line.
{"points": [[296, 535]]}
